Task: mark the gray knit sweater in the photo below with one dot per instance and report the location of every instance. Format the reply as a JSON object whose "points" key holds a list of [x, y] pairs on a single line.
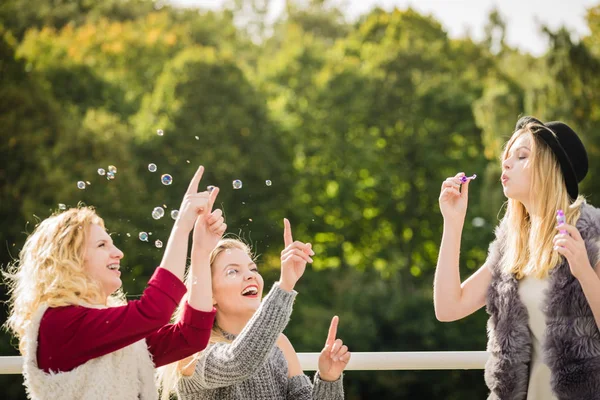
{"points": [[252, 367]]}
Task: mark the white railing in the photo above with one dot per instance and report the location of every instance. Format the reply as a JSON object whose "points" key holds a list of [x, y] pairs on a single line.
{"points": [[427, 360]]}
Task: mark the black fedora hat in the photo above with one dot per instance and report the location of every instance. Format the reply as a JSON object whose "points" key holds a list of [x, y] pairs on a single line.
{"points": [[566, 146]]}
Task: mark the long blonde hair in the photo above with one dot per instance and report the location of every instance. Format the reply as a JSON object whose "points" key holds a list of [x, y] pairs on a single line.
{"points": [[529, 247], [50, 269], [169, 375]]}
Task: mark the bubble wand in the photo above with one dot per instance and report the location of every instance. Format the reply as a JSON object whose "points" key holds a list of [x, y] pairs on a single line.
{"points": [[464, 179], [561, 219]]}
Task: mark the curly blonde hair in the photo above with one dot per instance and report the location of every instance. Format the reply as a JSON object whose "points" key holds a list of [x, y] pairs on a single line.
{"points": [[169, 375], [50, 270]]}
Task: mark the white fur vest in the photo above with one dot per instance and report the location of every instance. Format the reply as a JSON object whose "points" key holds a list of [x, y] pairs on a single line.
{"points": [[126, 374], [572, 344]]}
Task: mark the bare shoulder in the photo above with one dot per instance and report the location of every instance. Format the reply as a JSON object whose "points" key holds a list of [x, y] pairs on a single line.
{"points": [[291, 358], [284, 344]]}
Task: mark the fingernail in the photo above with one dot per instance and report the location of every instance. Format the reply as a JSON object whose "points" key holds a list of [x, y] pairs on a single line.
{"points": [[311, 260], [312, 253]]}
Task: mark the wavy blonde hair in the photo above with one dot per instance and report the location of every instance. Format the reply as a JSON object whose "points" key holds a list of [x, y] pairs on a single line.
{"points": [[169, 375], [50, 270], [529, 247]]}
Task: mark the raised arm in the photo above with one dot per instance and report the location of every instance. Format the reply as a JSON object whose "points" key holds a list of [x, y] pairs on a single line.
{"points": [[453, 300], [328, 379], [193, 204], [224, 364]]}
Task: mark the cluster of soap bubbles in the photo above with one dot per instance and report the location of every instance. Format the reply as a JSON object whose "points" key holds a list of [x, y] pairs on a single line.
{"points": [[166, 179], [159, 212], [237, 184], [110, 174], [144, 236]]}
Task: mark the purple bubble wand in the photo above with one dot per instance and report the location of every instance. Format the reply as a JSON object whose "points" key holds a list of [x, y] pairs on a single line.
{"points": [[561, 219], [464, 179]]}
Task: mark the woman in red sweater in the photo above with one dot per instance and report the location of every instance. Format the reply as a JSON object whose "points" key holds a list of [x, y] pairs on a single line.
{"points": [[78, 336]]}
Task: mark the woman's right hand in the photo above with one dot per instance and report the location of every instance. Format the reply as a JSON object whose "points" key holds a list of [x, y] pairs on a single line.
{"points": [[454, 199], [293, 258], [209, 227], [193, 203]]}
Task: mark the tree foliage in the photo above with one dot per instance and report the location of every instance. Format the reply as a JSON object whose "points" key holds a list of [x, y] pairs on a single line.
{"points": [[355, 125]]}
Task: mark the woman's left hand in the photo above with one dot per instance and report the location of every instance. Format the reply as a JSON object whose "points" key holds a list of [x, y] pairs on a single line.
{"points": [[335, 355], [572, 247]]}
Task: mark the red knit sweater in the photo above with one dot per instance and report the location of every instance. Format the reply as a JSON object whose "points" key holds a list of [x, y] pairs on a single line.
{"points": [[72, 335]]}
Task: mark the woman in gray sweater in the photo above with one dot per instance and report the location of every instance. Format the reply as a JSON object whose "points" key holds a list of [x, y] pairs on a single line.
{"points": [[248, 356]]}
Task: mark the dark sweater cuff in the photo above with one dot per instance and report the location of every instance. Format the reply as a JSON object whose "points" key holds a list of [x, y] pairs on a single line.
{"points": [[299, 384], [329, 390], [281, 297], [198, 319]]}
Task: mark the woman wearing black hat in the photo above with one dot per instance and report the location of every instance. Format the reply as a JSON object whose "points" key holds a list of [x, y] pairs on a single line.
{"points": [[540, 282]]}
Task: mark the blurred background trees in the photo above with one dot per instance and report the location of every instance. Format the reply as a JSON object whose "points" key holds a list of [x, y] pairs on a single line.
{"points": [[355, 124]]}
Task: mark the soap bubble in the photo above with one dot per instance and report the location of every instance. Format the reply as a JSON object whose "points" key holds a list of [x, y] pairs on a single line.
{"points": [[268, 182], [61, 206], [160, 132], [81, 185], [478, 222], [158, 244], [101, 171], [166, 179], [112, 169], [143, 236], [158, 212], [152, 167], [174, 214], [237, 184]]}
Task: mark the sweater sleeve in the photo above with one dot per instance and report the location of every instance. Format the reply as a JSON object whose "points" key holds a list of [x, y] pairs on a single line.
{"points": [[300, 388], [72, 335], [174, 342], [224, 364]]}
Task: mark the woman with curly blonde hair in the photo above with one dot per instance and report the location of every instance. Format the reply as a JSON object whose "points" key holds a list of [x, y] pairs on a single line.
{"points": [[78, 337]]}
